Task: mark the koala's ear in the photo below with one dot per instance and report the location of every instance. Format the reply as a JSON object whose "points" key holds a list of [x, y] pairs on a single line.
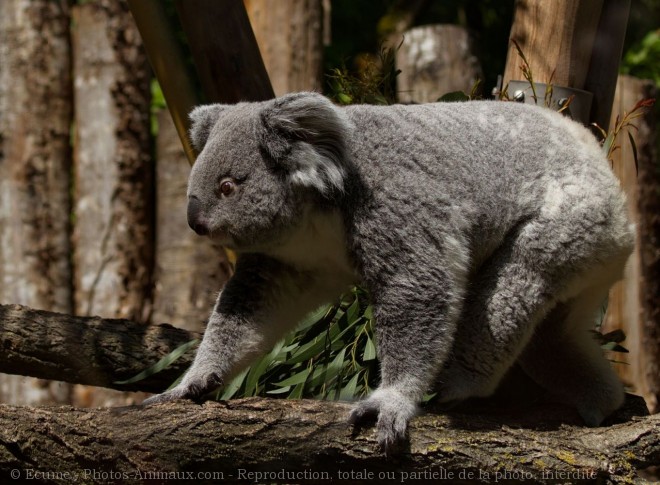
{"points": [[202, 120], [305, 134]]}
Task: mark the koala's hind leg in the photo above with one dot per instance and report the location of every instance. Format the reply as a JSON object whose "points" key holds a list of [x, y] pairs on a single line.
{"points": [[564, 358], [548, 259]]}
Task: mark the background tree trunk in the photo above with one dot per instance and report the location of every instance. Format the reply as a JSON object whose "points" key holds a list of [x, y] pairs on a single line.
{"points": [[35, 119], [308, 439], [190, 270], [435, 60], [290, 38], [633, 302], [113, 231]]}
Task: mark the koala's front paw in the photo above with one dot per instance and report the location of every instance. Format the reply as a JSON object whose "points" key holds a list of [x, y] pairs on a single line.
{"points": [[190, 388], [393, 409]]}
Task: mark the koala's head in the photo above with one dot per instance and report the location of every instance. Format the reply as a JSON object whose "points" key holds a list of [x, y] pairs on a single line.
{"points": [[261, 165]]}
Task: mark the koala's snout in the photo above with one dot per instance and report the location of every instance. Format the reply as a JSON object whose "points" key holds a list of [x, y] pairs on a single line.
{"points": [[195, 219]]}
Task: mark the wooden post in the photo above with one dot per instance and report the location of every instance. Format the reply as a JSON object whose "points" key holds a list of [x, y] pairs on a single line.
{"points": [[190, 270], [557, 39], [633, 302], [290, 38], [435, 60], [35, 160], [605, 59], [571, 43]]}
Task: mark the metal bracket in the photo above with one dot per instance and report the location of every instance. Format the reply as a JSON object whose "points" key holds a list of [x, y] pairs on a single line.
{"points": [[579, 101]]}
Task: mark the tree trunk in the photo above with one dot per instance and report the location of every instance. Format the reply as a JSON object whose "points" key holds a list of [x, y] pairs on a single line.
{"points": [[35, 119], [640, 323], [557, 39], [113, 233], [280, 441], [435, 60], [190, 270], [290, 38]]}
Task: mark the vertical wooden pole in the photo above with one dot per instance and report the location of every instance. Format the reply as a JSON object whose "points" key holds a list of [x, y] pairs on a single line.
{"points": [[557, 39], [35, 160], [290, 38], [605, 58]]}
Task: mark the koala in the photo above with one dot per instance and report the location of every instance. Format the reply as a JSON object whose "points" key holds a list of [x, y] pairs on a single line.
{"points": [[487, 234]]}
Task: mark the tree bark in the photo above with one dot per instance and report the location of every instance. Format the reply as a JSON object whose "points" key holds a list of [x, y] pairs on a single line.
{"points": [[190, 270], [435, 60], [309, 442], [35, 160], [290, 38], [88, 350], [633, 302], [113, 233]]}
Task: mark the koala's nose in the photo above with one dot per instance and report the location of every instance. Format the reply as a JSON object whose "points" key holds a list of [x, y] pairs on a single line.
{"points": [[195, 220]]}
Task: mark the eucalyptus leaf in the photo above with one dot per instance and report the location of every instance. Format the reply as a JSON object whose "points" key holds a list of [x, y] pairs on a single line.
{"points": [[295, 379], [234, 385], [454, 96], [163, 363], [369, 350], [348, 391]]}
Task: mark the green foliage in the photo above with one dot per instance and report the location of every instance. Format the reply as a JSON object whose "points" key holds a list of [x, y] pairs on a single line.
{"points": [[643, 59], [331, 355], [157, 104]]}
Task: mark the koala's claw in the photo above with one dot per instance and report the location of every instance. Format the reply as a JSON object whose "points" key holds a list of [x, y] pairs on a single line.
{"points": [[393, 410], [189, 388]]}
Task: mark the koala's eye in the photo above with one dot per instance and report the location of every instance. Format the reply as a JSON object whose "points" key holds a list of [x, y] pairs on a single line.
{"points": [[227, 186]]}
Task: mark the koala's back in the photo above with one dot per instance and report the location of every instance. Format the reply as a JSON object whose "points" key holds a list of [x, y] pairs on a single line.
{"points": [[480, 165]]}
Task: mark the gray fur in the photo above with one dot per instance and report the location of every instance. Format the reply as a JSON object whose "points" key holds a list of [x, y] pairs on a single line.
{"points": [[487, 234]]}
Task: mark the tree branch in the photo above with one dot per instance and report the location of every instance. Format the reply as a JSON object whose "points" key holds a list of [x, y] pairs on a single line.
{"points": [[308, 438], [88, 350]]}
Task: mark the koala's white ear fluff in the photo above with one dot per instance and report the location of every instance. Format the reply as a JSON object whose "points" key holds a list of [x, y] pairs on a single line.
{"points": [[202, 120], [305, 134]]}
